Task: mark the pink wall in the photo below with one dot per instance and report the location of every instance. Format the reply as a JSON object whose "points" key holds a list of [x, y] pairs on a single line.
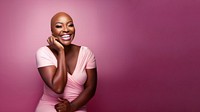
{"points": [[147, 52]]}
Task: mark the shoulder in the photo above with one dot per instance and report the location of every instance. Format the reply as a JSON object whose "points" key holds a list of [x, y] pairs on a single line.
{"points": [[43, 51], [87, 52], [89, 57], [86, 49]]}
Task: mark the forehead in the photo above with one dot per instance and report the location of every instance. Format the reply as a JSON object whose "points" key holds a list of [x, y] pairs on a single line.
{"points": [[61, 18]]}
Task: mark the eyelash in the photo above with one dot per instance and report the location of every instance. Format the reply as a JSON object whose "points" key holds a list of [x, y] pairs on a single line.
{"points": [[70, 25], [58, 26]]}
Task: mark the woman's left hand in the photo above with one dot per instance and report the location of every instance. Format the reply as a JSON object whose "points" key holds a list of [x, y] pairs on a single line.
{"points": [[63, 105]]}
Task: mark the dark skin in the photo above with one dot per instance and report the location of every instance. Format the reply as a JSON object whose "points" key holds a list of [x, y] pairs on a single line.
{"points": [[67, 55]]}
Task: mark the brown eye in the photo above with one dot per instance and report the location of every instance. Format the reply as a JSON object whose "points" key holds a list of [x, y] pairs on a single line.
{"points": [[58, 26]]}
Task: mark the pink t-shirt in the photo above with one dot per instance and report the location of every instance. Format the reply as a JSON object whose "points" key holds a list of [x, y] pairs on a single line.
{"points": [[75, 83]]}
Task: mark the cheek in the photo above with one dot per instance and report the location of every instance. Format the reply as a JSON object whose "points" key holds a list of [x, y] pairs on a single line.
{"points": [[56, 31], [72, 29]]}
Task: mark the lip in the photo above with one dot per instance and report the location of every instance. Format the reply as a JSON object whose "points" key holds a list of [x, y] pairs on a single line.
{"points": [[66, 37]]}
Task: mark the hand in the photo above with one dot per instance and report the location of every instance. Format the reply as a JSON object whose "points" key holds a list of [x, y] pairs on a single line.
{"points": [[63, 105], [53, 42]]}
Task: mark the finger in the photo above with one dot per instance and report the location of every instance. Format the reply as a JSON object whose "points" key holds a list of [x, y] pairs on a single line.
{"points": [[61, 99], [58, 107], [48, 41], [52, 40], [56, 39], [62, 109], [65, 101]]}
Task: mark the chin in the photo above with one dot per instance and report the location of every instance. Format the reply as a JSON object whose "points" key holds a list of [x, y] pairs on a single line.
{"points": [[66, 43]]}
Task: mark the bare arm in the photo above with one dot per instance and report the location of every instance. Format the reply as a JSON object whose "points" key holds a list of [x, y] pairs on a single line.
{"points": [[55, 78], [88, 92]]}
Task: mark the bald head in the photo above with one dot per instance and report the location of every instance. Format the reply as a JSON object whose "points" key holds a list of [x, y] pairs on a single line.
{"points": [[58, 16]]}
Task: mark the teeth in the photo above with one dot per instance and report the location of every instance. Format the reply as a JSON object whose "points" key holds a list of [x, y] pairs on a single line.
{"points": [[66, 37]]}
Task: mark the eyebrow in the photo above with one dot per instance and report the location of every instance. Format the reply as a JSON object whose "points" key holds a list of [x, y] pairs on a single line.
{"points": [[62, 23]]}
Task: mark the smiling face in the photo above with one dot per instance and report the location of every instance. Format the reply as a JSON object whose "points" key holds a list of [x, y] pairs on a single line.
{"points": [[63, 28]]}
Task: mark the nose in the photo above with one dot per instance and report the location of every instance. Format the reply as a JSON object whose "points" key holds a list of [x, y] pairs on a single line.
{"points": [[65, 29]]}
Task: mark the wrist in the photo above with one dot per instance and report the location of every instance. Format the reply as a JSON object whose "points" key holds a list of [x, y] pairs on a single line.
{"points": [[61, 51], [72, 107]]}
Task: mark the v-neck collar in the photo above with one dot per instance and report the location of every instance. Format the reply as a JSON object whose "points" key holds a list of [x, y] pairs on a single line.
{"points": [[79, 52]]}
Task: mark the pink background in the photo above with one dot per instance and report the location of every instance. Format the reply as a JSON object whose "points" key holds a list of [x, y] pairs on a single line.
{"points": [[148, 52]]}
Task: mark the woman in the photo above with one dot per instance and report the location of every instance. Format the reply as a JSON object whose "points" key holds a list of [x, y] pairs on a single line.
{"points": [[68, 70]]}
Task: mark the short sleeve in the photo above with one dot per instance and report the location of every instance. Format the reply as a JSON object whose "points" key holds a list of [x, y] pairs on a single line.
{"points": [[91, 61], [43, 58]]}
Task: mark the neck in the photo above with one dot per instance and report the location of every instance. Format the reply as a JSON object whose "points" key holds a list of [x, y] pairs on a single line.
{"points": [[68, 48]]}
